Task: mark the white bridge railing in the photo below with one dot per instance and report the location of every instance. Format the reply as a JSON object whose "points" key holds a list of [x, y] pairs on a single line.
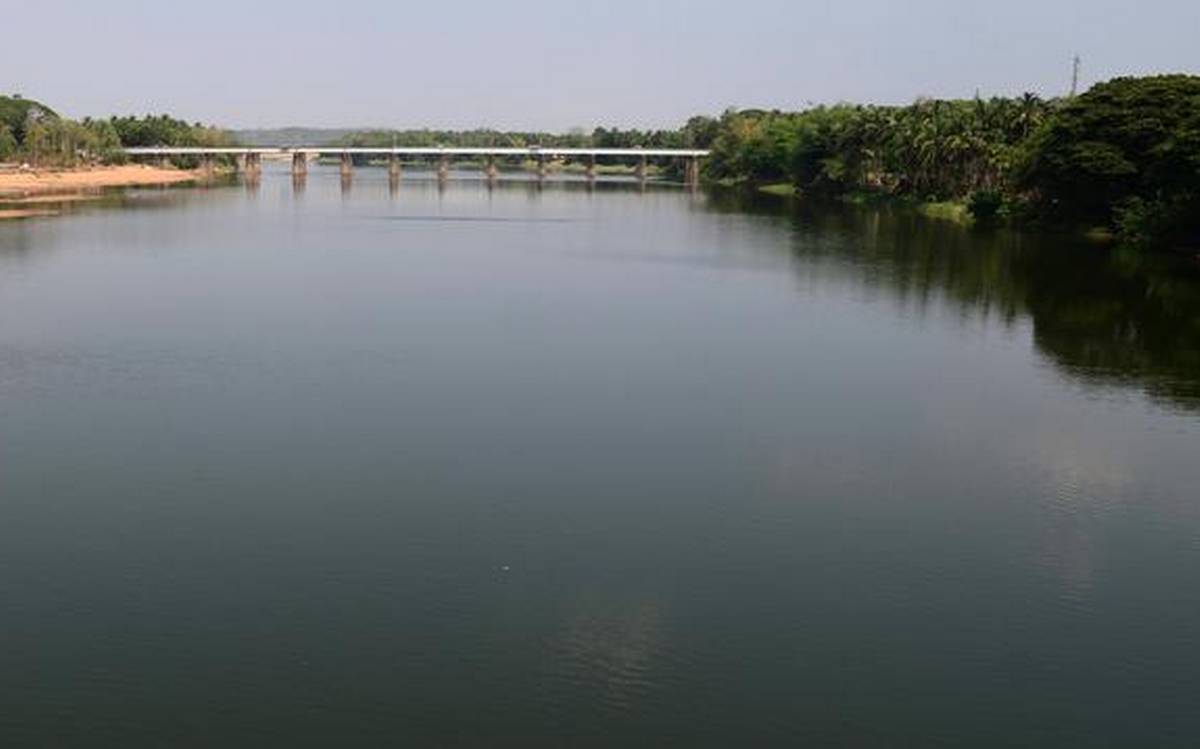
{"points": [[418, 151], [250, 158]]}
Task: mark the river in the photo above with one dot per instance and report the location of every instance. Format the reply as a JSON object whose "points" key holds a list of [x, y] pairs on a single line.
{"points": [[550, 465]]}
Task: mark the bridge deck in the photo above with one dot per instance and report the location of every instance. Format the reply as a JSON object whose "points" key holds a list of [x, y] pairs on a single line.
{"points": [[409, 151]]}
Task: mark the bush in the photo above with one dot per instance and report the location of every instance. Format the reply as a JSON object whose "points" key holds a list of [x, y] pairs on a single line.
{"points": [[1141, 221], [985, 205]]}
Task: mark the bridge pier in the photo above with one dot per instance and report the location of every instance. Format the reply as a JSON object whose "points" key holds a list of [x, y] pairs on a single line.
{"points": [[589, 171], [347, 165], [443, 168], [393, 167], [207, 168], [489, 168], [691, 172], [542, 169], [641, 170], [299, 164]]}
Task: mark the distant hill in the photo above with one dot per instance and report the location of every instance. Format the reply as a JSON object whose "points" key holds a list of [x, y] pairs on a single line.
{"points": [[293, 136], [15, 112]]}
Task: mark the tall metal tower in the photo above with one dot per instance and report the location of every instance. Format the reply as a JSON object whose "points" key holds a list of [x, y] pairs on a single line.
{"points": [[1075, 76]]}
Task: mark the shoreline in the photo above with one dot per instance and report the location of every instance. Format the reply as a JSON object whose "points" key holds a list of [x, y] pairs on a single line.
{"points": [[954, 211], [26, 193]]}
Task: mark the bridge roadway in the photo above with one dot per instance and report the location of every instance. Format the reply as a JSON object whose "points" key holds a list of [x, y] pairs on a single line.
{"points": [[250, 158]]}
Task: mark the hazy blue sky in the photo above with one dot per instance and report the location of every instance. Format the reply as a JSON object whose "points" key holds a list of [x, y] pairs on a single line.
{"points": [[559, 64]]}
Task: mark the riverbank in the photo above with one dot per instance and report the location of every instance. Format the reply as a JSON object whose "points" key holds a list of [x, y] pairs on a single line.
{"points": [[21, 189], [950, 210]]}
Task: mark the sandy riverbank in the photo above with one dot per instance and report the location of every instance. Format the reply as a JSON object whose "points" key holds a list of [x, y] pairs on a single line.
{"points": [[18, 186], [24, 213]]}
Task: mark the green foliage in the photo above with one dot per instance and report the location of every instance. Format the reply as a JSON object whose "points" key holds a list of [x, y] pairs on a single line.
{"points": [[105, 143], [821, 162], [984, 205], [700, 132], [1139, 221], [1126, 154], [61, 142], [8, 143], [164, 130], [32, 131], [17, 114], [934, 149]]}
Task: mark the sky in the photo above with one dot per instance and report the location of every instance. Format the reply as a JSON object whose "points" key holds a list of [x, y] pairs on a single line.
{"points": [[563, 64]]}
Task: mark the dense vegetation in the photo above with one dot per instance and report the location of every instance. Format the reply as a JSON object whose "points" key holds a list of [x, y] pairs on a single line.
{"points": [[1125, 155], [32, 132], [932, 149], [163, 130]]}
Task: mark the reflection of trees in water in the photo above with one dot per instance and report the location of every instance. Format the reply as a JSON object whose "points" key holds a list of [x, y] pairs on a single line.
{"points": [[1124, 320], [1105, 318]]}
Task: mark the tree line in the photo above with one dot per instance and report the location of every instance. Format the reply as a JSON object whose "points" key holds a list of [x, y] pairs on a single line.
{"points": [[600, 137], [1124, 156], [33, 133]]}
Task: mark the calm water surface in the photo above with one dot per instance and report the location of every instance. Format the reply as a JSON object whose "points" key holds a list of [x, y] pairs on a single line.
{"points": [[555, 466]]}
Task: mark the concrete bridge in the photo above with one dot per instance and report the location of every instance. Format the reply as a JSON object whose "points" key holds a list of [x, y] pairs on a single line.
{"points": [[250, 159]]}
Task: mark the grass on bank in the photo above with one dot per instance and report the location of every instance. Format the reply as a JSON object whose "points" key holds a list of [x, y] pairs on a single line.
{"points": [[949, 210], [779, 188]]}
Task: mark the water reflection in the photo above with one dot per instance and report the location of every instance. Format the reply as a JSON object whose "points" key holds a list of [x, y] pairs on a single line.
{"points": [[1082, 487], [1105, 318], [609, 650]]}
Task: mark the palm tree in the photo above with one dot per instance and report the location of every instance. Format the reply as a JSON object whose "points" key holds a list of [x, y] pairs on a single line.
{"points": [[1030, 112]]}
